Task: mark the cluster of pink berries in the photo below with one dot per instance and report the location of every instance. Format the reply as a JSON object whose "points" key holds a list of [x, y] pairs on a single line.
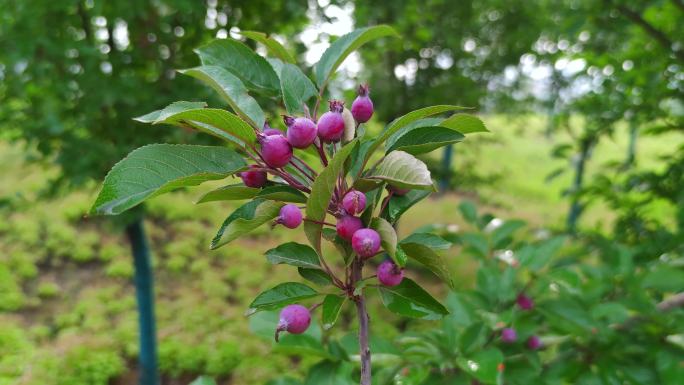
{"points": [[509, 335]]}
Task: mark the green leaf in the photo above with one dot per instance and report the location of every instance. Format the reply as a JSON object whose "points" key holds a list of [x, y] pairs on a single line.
{"points": [[430, 259], [473, 337], [388, 236], [407, 119], [321, 193], [342, 246], [469, 212], [330, 373], [465, 124], [245, 219], [425, 122], [664, 278], [317, 276], [403, 170], [482, 365], [213, 121], [425, 139], [398, 205], [410, 300], [171, 109], [282, 193], [542, 254], [332, 304], [342, 47], [429, 240], [505, 231], [254, 71], [159, 168], [203, 380], [229, 193], [271, 44], [294, 254], [297, 89], [232, 90], [281, 295]]}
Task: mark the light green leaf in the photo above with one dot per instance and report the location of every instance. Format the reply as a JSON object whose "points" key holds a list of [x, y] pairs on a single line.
{"points": [[281, 295], [245, 219], [159, 168], [203, 380], [232, 90], [213, 121], [342, 47], [171, 109], [282, 193], [410, 300], [294, 254], [433, 261], [254, 71], [407, 119], [272, 45], [403, 170], [321, 193], [482, 365], [465, 124], [425, 139], [332, 304], [388, 237], [297, 89], [317, 276], [229, 193]]}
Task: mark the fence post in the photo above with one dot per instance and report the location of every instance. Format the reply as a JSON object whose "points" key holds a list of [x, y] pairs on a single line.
{"points": [[576, 207], [144, 291], [447, 156]]}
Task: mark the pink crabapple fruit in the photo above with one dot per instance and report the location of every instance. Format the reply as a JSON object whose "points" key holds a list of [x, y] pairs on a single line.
{"points": [[508, 335], [331, 124], [275, 150], [362, 107], [347, 225], [366, 242], [354, 202], [301, 132], [294, 319], [290, 216], [254, 178], [389, 274]]}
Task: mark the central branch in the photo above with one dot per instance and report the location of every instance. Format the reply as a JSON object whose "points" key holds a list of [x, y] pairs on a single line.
{"points": [[364, 349]]}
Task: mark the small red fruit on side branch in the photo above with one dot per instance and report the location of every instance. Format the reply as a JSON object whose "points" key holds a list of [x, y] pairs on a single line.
{"points": [[389, 274], [534, 343], [347, 225], [254, 178], [331, 124], [290, 216], [275, 150], [509, 335], [366, 242], [362, 108], [354, 202], [524, 302], [301, 132], [294, 319]]}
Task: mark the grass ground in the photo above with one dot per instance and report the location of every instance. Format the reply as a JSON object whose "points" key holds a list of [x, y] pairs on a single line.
{"points": [[67, 308]]}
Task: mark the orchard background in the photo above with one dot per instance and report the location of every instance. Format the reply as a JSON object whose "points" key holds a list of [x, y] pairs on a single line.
{"points": [[574, 197]]}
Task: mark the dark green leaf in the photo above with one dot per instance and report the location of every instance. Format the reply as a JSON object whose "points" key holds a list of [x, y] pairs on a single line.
{"points": [[410, 300], [273, 46], [664, 278], [473, 337], [330, 373], [504, 231], [245, 219], [297, 89], [232, 90], [429, 240], [407, 119], [321, 193], [425, 122], [229, 193], [465, 124], [398, 205], [433, 261], [294, 254], [404, 171], [317, 276], [425, 139], [281, 295], [254, 71], [332, 304], [159, 168], [342, 47], [543, 253], [482, 365], [169, 110], [213, 121], [282, 193], [469, 212]]}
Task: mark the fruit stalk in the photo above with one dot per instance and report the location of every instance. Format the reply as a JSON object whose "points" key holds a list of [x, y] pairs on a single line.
{"points": [[364, 349]]}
